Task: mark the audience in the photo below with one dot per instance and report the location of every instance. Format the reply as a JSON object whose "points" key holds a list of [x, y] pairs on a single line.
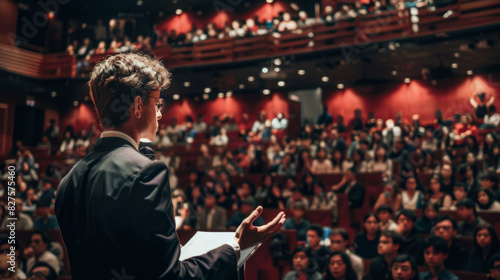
{"points": [[339, 240], [486, 245], [404, 267], [388, 246], [319, 253], [435, 253], [412, 244], [366, 243], [339, 267], [470, 220], [38, 251], [297, 222], [446, 228], [302, 266]]}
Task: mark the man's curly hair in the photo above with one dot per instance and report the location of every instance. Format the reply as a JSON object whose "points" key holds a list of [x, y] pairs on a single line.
{"points": [[116, 81]]}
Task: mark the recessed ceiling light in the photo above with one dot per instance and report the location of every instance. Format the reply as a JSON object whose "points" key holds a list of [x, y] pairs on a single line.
{"points": [[187, 84], [205, 96], [229, 93], [178, 12], [340, 86], [407, 80], [53, 94], [325, 79], [220, 95], [207, 90], [251, 78], [176, 96], [470, 72], [394, 72], [301, 72], [457, 54], [241, 86], [269, 1], [454, 65], [281, 83], [265, 70], [266, 91]]}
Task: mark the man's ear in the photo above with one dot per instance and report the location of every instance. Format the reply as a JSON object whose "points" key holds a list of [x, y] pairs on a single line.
{"points": [[138, 106]]}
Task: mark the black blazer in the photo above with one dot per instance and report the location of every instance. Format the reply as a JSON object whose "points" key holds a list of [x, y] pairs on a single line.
{"points": [[115, 213]]}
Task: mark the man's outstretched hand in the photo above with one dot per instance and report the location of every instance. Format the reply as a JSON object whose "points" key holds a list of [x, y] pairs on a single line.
{"points": [[248, 235]]}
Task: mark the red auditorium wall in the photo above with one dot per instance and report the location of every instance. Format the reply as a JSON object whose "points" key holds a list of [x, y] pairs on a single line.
{"points": [[79, 117], [183, 23], [251, 104], [8, 16], [450, 96]]}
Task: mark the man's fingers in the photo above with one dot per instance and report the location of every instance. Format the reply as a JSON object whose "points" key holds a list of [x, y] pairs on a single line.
{"points": [[276, 221], [255, 214]]}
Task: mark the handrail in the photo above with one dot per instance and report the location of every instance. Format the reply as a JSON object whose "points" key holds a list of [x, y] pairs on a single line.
{"points": [[386, 26]]}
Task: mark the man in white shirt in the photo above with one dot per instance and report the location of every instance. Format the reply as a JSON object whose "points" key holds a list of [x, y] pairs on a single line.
{"points": [[339, 240], [38, 252], [492, 119]]}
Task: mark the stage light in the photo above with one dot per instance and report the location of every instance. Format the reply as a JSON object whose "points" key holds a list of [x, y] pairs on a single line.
{"points": [[220, 95], [53, 94], [187, 84], [277, 69], [281, 83], [178, 12], [454, 65], [265, 70], [269, 1], [207, 90], [394, 72], [139, 3], [205, 96], [277, 62], [75, 103], [176, 97], [251, 78], [241, 86], [229, 93], [301, 72], [266, 91], [470, 72], [340, 86], [325, 79], [407, 80]]}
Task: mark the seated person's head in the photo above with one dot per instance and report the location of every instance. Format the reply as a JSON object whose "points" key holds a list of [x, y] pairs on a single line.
{"points": [[247, 206], [435, 252], [406, 220], [489, 181], [484, 198], [431, 210], [42, 270], [404, 267], [40, 242], [494, 266], [314, 235], [389, 242], [339, 239], [446, 228], [210, 198], [466, 209], [384, 213], [340, 267], [371, 223], [460, 191], [299, 210], [300, 259], [485, 237], [296, 193]]}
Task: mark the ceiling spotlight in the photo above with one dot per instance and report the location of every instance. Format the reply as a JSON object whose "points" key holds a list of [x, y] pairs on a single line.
{"points": [[220, 95], [270, 1], [394, 72], [187, 84], [266, 91], [207, 90], [75, 103], [241, 86], [301, 72], [176, 96], [281, 83], [454, 65], [139, 3], [178, 12], [457, 54], [205, 96], [251, 78], [407, 80], [340, 86], [277, 62], [310, 35], [229, 93], [277, 69], [53, 94], [325, 79], [265, 70], [470, 72]]}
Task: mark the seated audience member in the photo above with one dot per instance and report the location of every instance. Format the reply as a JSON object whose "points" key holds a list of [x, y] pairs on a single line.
{"points": [[23, 221], [470, 220], [489, 181], [412, 244], [4, 270], [67, 144], [385, 215], [287, 24], [260, 124], [319, 253], [381, 163], [447, 178], [404, 267], [38, 251], [389, 196], [321, 165], [204, 161], [435, 253], [485, 202], [494, 267], [46, 221], [46, 195], [424, 224], [274, 198], [28, 174], [286, 167], [298, 222], [411, 197], [464, 129], [304, 21], [45, 143], [265, 187], [302, 266], [279, 123], [339, 241], [211, 216], [245, 209], [29, 204], [297, 197], [446, 228], [487, 245], [365, 243], [42, 270], [437, 195], [460, 191], [354, 190], [323, 200], [200, 126], [185, 214], [492, 119], [388, 246], [339, 267], [345, 12]]}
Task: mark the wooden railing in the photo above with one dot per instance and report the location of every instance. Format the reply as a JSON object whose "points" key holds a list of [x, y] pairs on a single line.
{"points": [[357, 33]]}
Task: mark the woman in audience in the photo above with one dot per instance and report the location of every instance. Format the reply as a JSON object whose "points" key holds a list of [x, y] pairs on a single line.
{"points": [[486, 202], [389, 196], [381, 163], [366, 243], [337, 161], [460, 191], [339, 267], [489, 141], [274, 198], [302, 268], [490, 162], [486, 241], [286, 167], [411, 197], [324, 200], [321, 165], [307, 184], [304, 162], [265, 187], [469, 174], [436, 195], [425, 223], [357, 162], [67, 143]]}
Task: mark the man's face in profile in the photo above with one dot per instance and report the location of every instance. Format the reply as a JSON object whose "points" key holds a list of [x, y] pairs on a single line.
{"points": [[151, 115]]}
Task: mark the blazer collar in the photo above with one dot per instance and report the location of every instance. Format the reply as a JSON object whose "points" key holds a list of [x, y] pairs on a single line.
{"points": [[107, 142]]}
